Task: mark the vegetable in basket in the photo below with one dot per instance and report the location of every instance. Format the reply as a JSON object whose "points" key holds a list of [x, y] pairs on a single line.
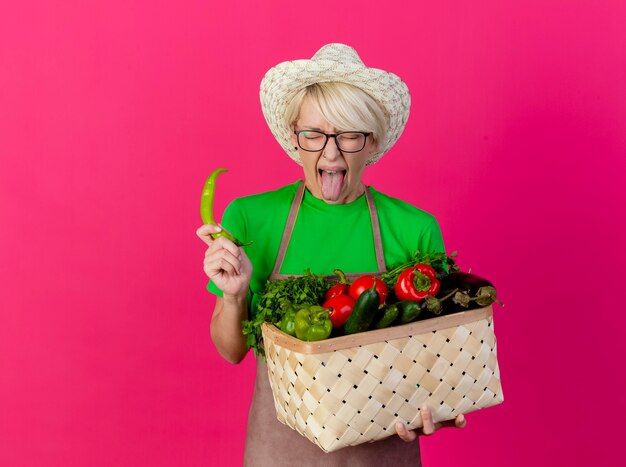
{"points": [[287, 323], [389, 314], [363, 283], [312, 323], [276, 300], [342, 288], [440, 262], [473, 291], [364, 311], [417, 283], [340, 307], [428, 307], [410, 310]]}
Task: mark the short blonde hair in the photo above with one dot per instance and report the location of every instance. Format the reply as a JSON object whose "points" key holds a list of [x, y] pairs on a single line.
{"points": [[344, 106]]}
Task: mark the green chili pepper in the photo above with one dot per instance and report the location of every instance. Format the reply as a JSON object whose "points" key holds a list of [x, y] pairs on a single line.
{"points": [[313, 323], [206, 208]]}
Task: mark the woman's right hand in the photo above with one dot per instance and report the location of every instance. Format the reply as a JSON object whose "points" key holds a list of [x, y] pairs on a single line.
{"points": [[226, 264]]}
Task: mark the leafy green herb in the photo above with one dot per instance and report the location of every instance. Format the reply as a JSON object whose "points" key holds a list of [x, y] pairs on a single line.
{"points": [[308, 289]]}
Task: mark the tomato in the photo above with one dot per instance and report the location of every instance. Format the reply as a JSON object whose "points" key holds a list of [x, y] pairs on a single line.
{"points": [[364, 283], [337, 289], [340, 309]]}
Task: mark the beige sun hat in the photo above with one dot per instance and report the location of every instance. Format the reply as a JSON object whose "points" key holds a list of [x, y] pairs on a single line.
{"points": [[333, 63]]}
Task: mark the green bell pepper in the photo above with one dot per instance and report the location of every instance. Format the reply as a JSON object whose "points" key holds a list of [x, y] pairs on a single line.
{"points": [[312, 323], [287, 323]]}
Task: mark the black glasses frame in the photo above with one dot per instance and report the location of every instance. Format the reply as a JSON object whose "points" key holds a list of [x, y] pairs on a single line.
{"points": [[328, 136]]}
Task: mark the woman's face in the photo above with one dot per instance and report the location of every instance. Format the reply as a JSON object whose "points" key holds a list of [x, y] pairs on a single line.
{"points": [[330, 174]]}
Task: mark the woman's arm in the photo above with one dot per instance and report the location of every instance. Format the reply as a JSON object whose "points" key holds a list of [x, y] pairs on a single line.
{"points": [[230, 269], [226, 332]]}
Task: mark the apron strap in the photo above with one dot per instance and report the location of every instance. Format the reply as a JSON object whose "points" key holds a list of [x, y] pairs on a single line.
{"points": [[291, 222], [378, 242]]}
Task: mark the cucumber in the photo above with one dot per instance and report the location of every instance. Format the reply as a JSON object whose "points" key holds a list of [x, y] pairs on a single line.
{"points": [[409, 311], [364, 312], [390, 313]]}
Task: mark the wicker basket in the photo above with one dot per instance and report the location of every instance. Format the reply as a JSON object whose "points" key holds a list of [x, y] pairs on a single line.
{"points": [[352, 389]]}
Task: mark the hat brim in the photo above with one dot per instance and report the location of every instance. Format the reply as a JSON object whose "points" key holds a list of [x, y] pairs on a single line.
{"points": [[283, 81]]}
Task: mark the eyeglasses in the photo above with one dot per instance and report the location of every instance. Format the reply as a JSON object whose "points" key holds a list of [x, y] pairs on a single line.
{"points": [[314, 141]]}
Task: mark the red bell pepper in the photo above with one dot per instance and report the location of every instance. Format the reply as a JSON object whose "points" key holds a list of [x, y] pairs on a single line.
{"points": [[416, 283]]}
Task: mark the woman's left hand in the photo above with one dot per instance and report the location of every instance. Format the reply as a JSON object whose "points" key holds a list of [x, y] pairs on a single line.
{"points": [[428, 426]]}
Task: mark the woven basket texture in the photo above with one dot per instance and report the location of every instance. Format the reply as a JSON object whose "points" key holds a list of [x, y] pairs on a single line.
{"points": [[353, 389]]}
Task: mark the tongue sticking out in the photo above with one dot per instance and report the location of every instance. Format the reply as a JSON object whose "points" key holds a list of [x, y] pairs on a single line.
{"points": [[331, 185]]}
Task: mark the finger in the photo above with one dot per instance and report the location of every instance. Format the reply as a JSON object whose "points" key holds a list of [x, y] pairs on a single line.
{"points": [[222, 260], [460, 421], [404, 433], [223, 242], [208, 229], [205, 231], [428, 426], [219, 267]]}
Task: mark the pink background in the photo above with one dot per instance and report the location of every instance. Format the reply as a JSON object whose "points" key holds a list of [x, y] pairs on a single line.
{"points": [[113, 113]]}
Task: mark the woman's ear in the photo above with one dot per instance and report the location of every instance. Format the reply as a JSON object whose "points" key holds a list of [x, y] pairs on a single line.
{"points": [[293, 139], [373, 146]]}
